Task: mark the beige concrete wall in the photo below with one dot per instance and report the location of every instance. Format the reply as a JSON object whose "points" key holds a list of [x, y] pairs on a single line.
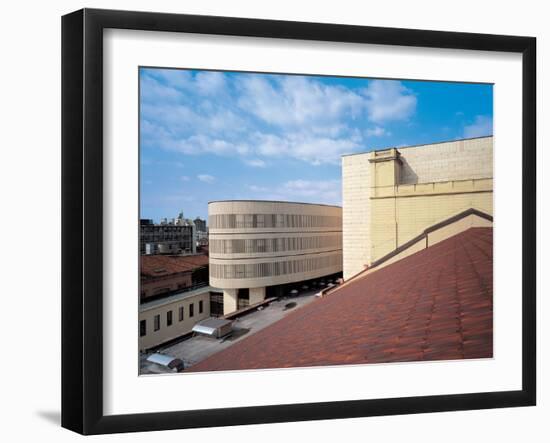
{"points": [[434, 237], [229, 300], [355, 212], [148, 311], [395, 221], [471, 221], [391, 197], [257, 295], [412, 249], [458, 160]]}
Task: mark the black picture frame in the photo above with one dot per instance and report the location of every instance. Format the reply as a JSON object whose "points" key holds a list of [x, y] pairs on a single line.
{"points": [[82, 215]]}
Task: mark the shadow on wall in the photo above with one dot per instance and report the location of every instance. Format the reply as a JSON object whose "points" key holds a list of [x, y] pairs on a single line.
{"points": [[407, 175]]}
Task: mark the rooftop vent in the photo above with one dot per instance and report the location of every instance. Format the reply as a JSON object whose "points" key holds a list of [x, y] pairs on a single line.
{"points": [[214, 327]]}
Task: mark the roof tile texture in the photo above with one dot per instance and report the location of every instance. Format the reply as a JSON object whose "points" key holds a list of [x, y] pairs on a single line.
{"points": [[436, 304], [152, 266]]}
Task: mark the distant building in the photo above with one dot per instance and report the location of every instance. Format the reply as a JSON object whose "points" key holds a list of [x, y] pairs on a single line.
{"points": [[200, 224], [202, 232], [264, 249], [177, 236]]}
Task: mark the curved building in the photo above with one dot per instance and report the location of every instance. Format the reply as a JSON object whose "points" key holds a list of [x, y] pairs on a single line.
{"points": [[261, 249]]}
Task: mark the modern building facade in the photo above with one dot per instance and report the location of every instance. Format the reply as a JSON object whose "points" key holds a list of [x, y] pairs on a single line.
{"points": [[261, 249], [391, 196]]}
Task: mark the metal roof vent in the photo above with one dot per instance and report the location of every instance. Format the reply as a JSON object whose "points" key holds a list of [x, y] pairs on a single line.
{"points": [[214, 327]]}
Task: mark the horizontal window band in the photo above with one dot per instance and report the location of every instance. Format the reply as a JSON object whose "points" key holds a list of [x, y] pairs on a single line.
{"points": [[276, 256], [271, 232]]}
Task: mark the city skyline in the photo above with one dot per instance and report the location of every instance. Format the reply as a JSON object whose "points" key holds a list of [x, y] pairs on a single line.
{"points": [[209, 135]]}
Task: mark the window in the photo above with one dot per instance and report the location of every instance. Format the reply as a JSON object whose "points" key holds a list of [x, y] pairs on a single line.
{"points": [[180, 310], [200, 306], [261, 245], [142, 328], [169, 318], [157, 322], [191, 310]]}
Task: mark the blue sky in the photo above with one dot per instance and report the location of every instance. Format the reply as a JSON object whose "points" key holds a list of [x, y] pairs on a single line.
{"points": [[208, 135]]}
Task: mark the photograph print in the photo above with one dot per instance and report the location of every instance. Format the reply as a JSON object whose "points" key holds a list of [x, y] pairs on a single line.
{"points": [[292, 221]]}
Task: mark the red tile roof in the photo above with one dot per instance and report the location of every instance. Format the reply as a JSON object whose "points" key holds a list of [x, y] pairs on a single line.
{"points": [[152, 266], [436, 304]]}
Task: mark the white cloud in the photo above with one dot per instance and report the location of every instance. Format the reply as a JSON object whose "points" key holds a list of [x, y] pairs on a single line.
{"points": [[295, 101], [255, 163], [317, 191], [306, 147], [201, 144], [482, 126], [181, 119], [185, 178], [377, 131], [210, 82], [206, 178], [180, 81], [388, 100], [256, 188], [309, 191], [308, 187], [153, 90], [175, 78], [299, 117]]}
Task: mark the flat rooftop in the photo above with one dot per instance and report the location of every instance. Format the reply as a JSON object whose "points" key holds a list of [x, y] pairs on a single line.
{"points": [[197, 348], [177, 297], [154, 266], [274, 201]]}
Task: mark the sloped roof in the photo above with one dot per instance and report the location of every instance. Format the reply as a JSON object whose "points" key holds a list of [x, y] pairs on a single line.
{"points": [[152, 266], [436, 304]]}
